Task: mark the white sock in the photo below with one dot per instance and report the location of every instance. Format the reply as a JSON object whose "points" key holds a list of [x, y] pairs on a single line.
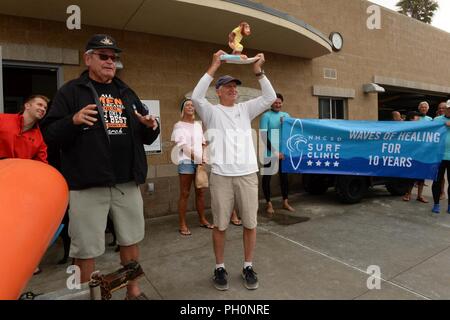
{"points": [[247, 264], [221, 265]]}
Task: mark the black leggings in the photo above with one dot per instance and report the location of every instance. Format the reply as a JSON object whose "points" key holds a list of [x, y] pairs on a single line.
{"points": [[284, 183], [436, 188]]}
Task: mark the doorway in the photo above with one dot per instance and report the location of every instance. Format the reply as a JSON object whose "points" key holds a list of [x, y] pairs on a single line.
{"points": [[23, 80], [405, 100]]}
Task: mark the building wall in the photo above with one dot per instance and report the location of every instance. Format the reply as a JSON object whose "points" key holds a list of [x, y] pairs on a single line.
{"points": [[403, 49], [165, 69]]}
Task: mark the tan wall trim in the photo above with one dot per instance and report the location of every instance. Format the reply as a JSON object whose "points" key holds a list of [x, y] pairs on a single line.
{"points": [[333, 92], [42, 54], [410, 84]]}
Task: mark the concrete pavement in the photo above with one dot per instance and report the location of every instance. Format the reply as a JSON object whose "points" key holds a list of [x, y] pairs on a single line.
{"points": [[320, 251]]}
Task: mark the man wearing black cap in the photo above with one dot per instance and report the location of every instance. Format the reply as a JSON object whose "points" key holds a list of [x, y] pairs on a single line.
{"points": [[233, 161], [98, 122]]}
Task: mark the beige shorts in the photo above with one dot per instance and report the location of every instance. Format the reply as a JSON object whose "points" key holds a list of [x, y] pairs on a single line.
{"points": [[88, 212], [226, 192]]}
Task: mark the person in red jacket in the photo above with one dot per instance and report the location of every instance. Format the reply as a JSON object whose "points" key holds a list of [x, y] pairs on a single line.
{"points": [[20, 136]]}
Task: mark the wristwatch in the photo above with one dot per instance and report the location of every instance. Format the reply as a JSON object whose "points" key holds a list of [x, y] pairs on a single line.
{"points": [[260, 73]]}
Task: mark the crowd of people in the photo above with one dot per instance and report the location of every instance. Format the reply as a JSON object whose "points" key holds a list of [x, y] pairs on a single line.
{"points": [[438, 187], [96, 127]]}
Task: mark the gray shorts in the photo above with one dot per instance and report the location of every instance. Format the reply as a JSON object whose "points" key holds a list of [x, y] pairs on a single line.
{"points": [[88, 212], [226, 192]]}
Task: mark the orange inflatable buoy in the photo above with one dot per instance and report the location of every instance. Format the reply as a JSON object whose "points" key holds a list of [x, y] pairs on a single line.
{"points": [[33, 199]]}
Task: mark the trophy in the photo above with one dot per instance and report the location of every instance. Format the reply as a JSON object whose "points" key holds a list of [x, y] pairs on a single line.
{"points": [[234, 41]]}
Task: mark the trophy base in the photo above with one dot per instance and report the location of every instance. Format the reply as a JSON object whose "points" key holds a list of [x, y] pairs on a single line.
{"points": [[236, 59]]}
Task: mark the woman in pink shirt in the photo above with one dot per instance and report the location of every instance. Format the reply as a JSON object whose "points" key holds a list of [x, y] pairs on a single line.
{"points": [[188, 136]]}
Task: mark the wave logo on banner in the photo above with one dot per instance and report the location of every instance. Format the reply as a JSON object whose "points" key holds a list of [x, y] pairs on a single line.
{"points": [[407, 149], [296, 143]]}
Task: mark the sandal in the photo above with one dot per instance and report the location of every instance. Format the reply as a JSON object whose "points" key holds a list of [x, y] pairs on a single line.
{"points": [[207, 226], [406, 197], [422, 199], [185, 232]]}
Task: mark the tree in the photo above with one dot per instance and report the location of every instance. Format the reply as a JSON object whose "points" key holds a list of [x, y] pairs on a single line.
{"points": [[422, 10]]}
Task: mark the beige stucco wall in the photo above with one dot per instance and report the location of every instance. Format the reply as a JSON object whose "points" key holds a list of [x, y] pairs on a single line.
{"points": [[402, 49], [162, 68]]}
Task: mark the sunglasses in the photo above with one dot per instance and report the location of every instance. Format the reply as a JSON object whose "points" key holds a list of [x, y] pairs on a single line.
{"points": [[105, 57]]}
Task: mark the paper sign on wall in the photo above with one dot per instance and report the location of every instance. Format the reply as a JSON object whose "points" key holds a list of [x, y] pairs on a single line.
{"points": [[153, 109]]}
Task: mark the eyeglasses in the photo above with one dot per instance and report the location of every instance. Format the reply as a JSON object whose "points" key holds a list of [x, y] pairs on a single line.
{"points": [[105, 57]]}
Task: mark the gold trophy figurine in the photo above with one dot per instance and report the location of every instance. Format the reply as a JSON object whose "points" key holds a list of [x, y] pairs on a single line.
{"points": [[234, 41]]}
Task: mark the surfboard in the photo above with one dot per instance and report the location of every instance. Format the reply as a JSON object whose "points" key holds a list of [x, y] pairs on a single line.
{"points": [[236, 59]]}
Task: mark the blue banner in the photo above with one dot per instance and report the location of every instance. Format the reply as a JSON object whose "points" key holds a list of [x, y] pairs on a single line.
{"points": [[406, 149]]}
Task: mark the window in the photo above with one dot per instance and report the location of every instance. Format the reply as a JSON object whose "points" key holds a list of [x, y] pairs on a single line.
{"points": [[332, 108]]}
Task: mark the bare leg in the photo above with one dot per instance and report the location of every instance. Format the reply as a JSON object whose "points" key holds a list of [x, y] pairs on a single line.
{"points": [[185, 187], [219, 245], [127, 254], [269, 209], [407, 195], [420, 197], [249, 238], [87, 266], [200, 205]]}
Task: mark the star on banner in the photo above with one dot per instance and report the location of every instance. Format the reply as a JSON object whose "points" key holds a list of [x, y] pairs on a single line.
{"points": [[310, 163], [336, 164], [318, 163], [327, 164]]}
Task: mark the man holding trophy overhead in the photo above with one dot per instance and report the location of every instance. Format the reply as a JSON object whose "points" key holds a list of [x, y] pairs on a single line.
{"points": [[233, 160]]}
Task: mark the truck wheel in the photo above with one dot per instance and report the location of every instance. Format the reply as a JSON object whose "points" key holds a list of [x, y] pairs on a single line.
{"points": [[398, 187], [316, 184], [351, 189]]}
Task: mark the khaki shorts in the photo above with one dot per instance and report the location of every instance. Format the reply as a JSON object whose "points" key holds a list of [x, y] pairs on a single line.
{"points": [[88, 212], [228, 191]]}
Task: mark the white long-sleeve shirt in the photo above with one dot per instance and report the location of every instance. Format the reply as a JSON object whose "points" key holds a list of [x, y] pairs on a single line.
{"points": [[229, 131]]}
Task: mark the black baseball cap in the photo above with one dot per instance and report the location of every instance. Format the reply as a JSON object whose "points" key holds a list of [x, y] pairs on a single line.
{"points": [[102, 41], [227, 79]]}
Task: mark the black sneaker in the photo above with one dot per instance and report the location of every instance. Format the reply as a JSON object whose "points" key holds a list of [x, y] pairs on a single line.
{"points": [[220, 279], [250, 278]]}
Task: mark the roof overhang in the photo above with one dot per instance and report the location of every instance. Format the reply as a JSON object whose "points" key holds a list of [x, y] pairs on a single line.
{"points": [[206, 21]]}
